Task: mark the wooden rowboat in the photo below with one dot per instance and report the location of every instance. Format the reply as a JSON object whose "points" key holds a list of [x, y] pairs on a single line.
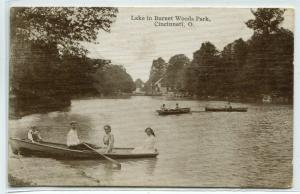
{"points": [[226, 109], [61, 151], [173, 111]]}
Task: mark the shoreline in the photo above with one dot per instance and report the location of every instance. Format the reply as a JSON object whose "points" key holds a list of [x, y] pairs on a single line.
{"points": [[27, 172], [17, 115]]}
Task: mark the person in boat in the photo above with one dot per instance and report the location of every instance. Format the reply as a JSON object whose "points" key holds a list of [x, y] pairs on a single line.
{"points": [[108, 139], [228, 106], [34, 135], [163, 107], [149, 144], [73, 141], [177, 106]]}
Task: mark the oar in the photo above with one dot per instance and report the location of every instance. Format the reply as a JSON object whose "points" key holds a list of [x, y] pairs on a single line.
{"points": [[106, 157]]}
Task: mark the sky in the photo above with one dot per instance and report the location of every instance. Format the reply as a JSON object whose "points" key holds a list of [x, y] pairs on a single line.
{"points": [[135, 43]]}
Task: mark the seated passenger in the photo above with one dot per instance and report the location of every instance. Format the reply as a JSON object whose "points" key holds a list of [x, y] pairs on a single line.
{"points": [[228, 106], [149, 144], [34, 135], [108, 139], [163, 107]]}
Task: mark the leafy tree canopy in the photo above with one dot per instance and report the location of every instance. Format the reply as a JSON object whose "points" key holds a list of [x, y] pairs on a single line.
{"points": [[267, 20], [113, 79], [207, 52], [175, 70], [63, 26]]}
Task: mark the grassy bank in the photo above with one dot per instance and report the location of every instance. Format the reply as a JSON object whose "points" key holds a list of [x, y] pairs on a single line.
{"points": [[16, 182]]}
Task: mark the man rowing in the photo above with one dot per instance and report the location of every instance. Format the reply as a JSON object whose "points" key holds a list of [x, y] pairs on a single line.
{"points": [[73, 141]]}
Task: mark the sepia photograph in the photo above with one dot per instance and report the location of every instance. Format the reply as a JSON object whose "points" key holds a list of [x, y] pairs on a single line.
{"points": [[159, 97]]}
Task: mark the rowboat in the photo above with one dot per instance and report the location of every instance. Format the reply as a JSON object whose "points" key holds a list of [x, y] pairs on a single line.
{"points": [[173, 111], [208, 109], [61, 151]]}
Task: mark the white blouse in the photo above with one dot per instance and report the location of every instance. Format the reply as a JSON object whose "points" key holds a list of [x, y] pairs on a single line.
{"points": [[147, 147], [72, 138]]}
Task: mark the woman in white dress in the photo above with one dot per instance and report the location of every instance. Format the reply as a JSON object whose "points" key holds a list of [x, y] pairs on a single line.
{"points": [[149, 143]]}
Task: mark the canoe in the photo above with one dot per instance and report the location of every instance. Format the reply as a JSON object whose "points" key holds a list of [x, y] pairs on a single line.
{"points": [[61, 151], [173, 111], [208, 109]]}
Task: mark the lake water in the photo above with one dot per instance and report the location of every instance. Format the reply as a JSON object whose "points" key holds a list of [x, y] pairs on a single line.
{"points": [[203, 149]]}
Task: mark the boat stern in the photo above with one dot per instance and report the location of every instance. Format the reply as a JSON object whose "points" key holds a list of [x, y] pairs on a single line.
{"points": [[14, 145]]}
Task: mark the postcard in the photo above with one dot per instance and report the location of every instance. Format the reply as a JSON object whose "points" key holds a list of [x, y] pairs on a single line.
{"points": [[151, 97]]}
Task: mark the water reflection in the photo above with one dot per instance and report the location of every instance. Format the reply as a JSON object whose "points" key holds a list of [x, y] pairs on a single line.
{"points": [[106, 172]]}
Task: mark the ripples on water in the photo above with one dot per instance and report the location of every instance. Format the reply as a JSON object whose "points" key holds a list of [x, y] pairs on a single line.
{"points": [[205, 149]]}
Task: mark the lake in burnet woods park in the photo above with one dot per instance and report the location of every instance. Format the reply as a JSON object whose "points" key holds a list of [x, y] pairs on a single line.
{"points": [[203, 149]]}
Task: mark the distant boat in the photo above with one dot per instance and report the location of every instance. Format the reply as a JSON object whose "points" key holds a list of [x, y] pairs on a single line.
{"points": [[208, 109], [61, 151], [174, 111]]}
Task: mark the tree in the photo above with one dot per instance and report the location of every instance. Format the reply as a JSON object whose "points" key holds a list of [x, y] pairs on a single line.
{"points": [[44, 41], [62, 26], [231, 67], [267, 20], [175, 71], [78, 75], [243, 69], [204, 63], [158, 70], [112, 80], [139, 83], [269, 65]]}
